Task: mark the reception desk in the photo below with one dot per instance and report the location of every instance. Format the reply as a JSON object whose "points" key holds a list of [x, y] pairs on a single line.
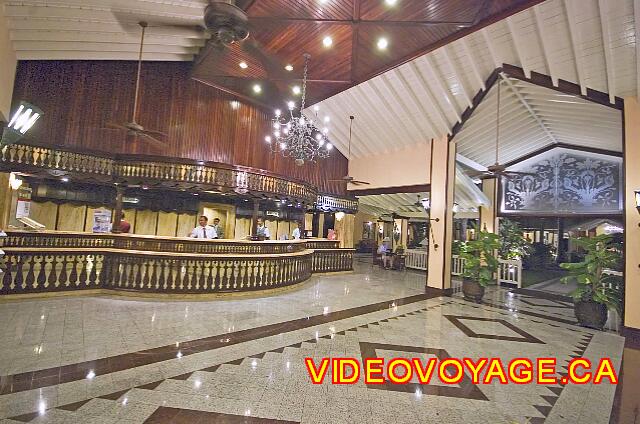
{"points": [[41, 262]]}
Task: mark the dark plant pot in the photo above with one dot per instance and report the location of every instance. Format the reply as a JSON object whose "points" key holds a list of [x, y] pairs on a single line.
{"points": [[591, 314], [472, 290]]}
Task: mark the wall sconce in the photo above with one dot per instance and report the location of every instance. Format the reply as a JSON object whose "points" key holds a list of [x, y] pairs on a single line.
{"points": [[22, 120], [14, 181], [426, 203], [339, 216], [456, 208]]}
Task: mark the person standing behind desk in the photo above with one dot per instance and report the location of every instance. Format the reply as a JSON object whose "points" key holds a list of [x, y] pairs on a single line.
{"points": [[296, 232], [262, 231], [203, 230], [216, 226]]}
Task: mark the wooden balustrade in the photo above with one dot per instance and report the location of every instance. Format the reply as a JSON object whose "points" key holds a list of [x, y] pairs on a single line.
{"points": [[51, 262], [142, 170], [332, 260]]}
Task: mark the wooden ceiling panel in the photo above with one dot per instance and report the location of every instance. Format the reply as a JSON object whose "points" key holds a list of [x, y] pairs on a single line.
{"points": [[303, 9], [402, 42], [462, 11], [283, 30]]}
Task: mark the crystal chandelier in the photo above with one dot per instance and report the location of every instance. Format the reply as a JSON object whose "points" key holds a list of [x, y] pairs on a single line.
{"points": [[299, 137]]}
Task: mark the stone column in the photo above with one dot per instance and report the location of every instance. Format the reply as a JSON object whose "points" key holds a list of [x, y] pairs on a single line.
{"points": [[631, 151], [488, 215], [443, 167]]}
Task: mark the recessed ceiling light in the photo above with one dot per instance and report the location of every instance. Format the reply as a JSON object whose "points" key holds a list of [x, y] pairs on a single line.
{"points": [[244, 65], [327, 119], [327, 41], [391, 2], [289, 68], [296, 89], [257, 89], [382, 43]]}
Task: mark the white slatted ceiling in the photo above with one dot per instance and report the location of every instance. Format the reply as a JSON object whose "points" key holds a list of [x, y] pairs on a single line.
{"points": [[566, 39], [105, 29]]}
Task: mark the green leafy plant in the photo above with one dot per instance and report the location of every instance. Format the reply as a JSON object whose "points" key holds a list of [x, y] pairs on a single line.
{"points": [[456, 247], [481, 261], [514, 245], [593, 284]]}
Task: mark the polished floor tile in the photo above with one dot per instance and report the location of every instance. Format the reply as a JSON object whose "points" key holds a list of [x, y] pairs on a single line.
{"points": [[242, 360]]}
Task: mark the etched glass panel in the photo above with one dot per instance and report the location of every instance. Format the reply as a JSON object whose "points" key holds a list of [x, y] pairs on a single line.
{"points": [[564, 182]]}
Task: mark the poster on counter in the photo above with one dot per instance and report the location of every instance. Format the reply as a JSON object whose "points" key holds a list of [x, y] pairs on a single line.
{"points": [[23, 207], [101, 221]]}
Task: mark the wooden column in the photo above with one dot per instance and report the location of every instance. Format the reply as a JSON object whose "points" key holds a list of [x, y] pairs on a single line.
{"points": [[488, 214], [5, 200], [631, 151], [443, 168], [254, 217], [117, 217]]}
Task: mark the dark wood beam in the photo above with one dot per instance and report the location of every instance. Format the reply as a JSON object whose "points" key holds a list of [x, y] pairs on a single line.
{"points": [[287, 20], [565, 87], [241, 96], [355, 30], [418, 188], [477, 99]]}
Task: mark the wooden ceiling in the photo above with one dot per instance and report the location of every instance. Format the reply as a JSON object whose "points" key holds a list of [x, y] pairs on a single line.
{"points": [[282, 30]]}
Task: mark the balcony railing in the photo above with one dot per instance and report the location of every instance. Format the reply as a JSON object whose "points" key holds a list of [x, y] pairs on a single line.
{"points": [[51, 262], [141, 170]]}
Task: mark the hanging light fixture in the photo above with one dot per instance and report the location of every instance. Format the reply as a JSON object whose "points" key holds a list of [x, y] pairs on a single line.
{"points": [[299, 137], [22, 120]]}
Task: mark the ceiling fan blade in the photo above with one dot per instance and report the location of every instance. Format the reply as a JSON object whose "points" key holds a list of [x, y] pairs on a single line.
{"points": [[114, 126], [212, 47], [150, 138], [519, 173], [489, 176], [154, 133], [475, 174], [271, 65], [356, 182]]}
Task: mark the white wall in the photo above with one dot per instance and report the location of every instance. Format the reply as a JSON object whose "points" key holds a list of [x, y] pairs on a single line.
{"points": [[404, 167], [8, 64]]}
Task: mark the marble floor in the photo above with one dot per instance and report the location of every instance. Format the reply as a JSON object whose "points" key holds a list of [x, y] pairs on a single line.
{"points": [[126, 360]]}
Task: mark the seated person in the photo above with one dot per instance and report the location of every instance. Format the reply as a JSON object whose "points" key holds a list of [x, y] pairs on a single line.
{"points": [[125, 227], [203, 230], [387, 254]]}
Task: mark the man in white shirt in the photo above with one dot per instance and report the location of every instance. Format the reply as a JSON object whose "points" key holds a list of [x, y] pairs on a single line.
{"points": [[296, 232], [262, 230], [203, 230]]}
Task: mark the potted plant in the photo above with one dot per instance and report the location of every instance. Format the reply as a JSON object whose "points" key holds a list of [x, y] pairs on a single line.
{"points": [[597, 289], [480, 264], [513, 243]]}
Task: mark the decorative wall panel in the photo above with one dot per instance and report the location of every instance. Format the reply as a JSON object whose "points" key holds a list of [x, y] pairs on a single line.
{"points": [[564, 182]]}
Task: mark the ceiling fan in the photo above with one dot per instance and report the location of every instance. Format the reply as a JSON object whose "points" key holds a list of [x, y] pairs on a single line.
{"points": [[133, 128], [497, 170], [349, 179], [422, 203], [228, 26]]}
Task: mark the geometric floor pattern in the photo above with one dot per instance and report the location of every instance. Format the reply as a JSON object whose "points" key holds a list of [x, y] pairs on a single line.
{"points": [[265, 379]]}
